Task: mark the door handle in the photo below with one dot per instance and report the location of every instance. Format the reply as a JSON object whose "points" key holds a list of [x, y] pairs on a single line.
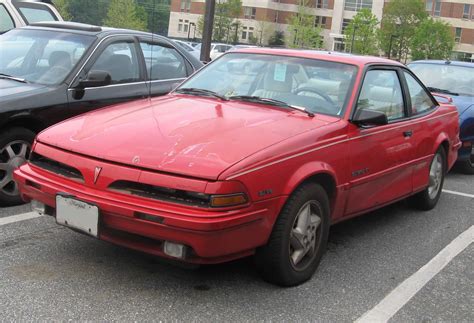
{"points": [[408, 133]]}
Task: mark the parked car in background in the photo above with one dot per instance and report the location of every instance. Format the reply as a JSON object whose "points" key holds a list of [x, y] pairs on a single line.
{"points": [[249, 156], [456, 80], [193, 51], [56, 70], [19, 13], [216, 49]]}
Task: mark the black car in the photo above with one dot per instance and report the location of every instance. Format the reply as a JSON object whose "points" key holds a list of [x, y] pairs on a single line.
{"points": [[51, 71]]}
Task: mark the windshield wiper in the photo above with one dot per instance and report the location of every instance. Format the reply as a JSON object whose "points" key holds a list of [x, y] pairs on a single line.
{"points": [[435, 89], [196, 91], [258, 99], [9, 77]]}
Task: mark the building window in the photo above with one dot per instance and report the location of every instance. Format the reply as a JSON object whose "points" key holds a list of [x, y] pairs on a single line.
{"points": [[467, 10], [437, 10], [185, 5], [186, 26], [180, 25], [250, 33], [250, 12], [429, 6], [457, 36], [320, 21], [244, 33], [323, 4], [356, 5]]}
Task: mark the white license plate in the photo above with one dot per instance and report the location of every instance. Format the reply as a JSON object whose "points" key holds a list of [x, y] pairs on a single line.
{"points": [[78, 215]]}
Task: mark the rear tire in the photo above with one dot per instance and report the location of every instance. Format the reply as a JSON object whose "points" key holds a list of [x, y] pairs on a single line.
{"points": [[299, 238], [428, 198], [15, 147]]}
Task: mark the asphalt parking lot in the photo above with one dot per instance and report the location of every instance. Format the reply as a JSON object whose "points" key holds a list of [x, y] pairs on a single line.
{"points": [[48, 272]]}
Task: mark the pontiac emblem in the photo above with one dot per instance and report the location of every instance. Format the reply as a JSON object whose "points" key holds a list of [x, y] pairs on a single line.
{"points": [[97, 173]]}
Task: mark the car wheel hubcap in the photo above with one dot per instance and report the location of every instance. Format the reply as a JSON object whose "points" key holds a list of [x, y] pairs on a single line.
{"points": [[436, 175], [304, 235], [12, 156]]}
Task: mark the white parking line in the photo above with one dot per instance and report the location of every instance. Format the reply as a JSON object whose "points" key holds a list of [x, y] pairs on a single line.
{"points": [[398, 297], [459, 193], [19, 217]]}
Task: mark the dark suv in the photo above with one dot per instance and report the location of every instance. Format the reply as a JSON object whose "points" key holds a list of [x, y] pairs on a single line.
{"points": [[51, 71]]}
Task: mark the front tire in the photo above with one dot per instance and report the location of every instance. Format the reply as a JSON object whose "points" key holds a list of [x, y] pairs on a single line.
{"points": [[15, 147], [299, 238], [467, 166], [428, 198]]}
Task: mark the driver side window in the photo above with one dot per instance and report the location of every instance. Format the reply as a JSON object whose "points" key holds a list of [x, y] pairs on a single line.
{"points": [[120, 61], [381, 91]]}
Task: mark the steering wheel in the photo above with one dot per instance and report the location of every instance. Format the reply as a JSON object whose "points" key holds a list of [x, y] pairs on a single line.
{"points": [[320, 94]]}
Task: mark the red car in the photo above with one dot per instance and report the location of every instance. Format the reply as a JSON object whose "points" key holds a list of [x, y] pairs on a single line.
{"points": [[256, 154]]}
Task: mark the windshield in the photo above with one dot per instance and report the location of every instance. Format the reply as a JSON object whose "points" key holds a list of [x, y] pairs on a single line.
{"points": [[39, 56], [456, 79], [317, 86]]}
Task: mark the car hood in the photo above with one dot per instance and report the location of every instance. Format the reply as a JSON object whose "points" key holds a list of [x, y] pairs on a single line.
{"points": [[198, 137], [10, 90]]}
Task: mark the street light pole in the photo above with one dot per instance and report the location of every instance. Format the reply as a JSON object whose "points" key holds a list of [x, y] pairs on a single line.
{"points": [[390, 45], [353, 37], [189, 28], [207, 30]]}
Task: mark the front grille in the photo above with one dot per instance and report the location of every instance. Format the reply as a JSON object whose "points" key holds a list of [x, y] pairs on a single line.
{"points": [[161, 193], [56, 167]]}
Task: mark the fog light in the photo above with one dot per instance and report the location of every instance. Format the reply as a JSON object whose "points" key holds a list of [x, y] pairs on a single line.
{"points": [[175, 250], [38, 207]]}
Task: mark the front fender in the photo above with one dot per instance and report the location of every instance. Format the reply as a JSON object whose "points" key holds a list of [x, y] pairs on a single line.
{"points": [[307, 171]]}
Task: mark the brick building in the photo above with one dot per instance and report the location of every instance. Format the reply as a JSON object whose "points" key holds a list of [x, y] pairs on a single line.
{"points": [[260, 18]]}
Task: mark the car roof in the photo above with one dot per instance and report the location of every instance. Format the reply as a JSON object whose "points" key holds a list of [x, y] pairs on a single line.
{"points": [[322, 55], [439, 62], [86, 29]]}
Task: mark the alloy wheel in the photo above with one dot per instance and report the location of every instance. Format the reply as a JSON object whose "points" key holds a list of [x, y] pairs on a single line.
{"points": [[12, 155], [304, 235], [436, 176]]}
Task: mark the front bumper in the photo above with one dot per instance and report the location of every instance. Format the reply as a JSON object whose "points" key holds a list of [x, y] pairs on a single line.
{"points": [[210, 236]]}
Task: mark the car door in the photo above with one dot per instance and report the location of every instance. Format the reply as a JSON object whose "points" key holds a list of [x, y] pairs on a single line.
{"points": [[381, 156], [120, 58], [420, 104], [165, 66]]}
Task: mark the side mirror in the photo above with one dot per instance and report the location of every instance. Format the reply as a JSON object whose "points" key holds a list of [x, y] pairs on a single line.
{"points": [[96, 78], [364, 117]]}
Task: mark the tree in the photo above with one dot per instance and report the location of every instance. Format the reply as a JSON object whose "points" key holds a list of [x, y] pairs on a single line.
{"points": [[225, 13], [433, 39], [277, 39], [88, 11], [303, 32], [263, 29], [157, 14], [360, 36], [399, 23], [125, 14], [63, 8]]}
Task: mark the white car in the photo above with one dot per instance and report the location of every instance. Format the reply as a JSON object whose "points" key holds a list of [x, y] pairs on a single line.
{"points": [[193, 51], [19, 13], [216, 49]]}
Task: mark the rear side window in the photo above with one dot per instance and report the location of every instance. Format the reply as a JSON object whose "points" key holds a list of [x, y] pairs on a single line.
{"points": [[163, 63], [381, 91], [35, 12], [6, 22], [420, 100]]}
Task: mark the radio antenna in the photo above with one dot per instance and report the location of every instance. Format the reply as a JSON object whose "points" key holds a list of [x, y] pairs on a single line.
{"points": [[151, 48]]}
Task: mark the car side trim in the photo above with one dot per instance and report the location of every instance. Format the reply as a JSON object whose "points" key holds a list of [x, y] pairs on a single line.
{"points": [[330, 145], [129, 83]]}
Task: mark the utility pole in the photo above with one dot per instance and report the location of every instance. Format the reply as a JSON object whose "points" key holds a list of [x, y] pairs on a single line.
{"points": [[207, 32]]}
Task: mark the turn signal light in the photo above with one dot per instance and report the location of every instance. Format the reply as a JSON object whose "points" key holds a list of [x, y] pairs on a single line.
{"points": [[228, 200]]}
